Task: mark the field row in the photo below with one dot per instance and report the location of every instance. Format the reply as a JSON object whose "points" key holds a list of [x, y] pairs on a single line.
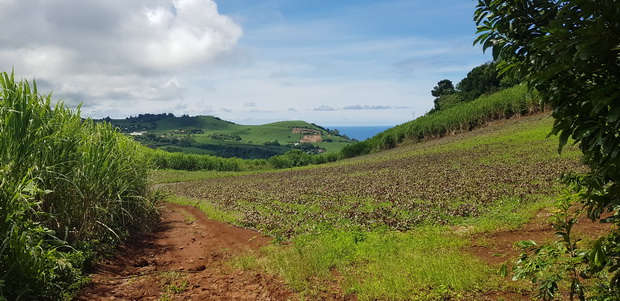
{"points": [[439, 183]]}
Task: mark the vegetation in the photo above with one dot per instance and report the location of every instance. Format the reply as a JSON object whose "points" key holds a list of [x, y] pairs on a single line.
{"points": [[484, 79], [568, 51], [181, 161], [67, 187], [212, 136], [373, 218], [467, 116]]}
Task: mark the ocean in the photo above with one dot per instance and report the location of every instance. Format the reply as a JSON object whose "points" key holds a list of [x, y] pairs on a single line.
{"points": [[360, 133]]}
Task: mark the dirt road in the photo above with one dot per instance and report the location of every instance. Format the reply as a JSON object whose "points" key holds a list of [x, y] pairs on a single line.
{"points": [[185, 258]]}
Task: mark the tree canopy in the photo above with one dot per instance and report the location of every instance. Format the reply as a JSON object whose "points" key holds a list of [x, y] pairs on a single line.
{"points": [[444, 87], [569, 51], [483, 79]]}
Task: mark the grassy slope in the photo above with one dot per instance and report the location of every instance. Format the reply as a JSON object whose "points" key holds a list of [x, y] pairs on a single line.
{"points": [[250, 134], [375, 217]]}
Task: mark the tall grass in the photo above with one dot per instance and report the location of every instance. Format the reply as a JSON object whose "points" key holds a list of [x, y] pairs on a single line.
{"points": [[66, 185], [464, 117]]}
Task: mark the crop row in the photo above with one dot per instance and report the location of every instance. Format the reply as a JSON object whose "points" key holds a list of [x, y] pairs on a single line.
{"points": [[394, 189]]}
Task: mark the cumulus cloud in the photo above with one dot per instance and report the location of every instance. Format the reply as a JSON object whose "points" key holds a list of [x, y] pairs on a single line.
{"points": [[115, 49], [366, 107], [324, 108]]}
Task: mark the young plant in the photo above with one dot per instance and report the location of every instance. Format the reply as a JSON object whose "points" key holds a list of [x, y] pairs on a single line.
{"points": [[550, 265]]}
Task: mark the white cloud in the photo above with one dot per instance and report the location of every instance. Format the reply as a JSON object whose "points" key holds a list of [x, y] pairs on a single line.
{"points": [[124, 58], [114, 50], [325, 108], [366, 107], [191, 32]]}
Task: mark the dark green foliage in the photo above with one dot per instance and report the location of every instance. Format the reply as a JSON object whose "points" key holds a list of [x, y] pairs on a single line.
{"points": [[480, 80], [220, 136], [272, 143], [568, 50], [292, 158], [181, 161], [67, 185], [444, 87], [148, 117], [356, 149], [447, 101]]}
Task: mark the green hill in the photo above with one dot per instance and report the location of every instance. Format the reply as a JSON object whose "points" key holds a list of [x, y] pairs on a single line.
{"points": [[214, 136], [375, 218]]}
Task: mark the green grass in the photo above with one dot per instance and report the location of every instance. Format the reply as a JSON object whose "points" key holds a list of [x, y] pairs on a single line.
{"points": [[420, 264], [210, 210], [464, 117], [250, 135], [385, 225]]}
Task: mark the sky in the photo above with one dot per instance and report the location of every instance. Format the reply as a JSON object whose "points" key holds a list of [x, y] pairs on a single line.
{"points": [[362, 62]]}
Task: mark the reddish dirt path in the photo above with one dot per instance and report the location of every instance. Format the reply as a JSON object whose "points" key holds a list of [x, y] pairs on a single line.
{"points": [[185, 258], [500, 247]]}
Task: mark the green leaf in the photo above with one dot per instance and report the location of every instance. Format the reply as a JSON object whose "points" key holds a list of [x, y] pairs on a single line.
{"points": [[598, 256], [527, 244], [503, 270]]}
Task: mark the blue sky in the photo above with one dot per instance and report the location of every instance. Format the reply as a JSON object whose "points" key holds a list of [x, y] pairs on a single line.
{"points": [[251, 62]]}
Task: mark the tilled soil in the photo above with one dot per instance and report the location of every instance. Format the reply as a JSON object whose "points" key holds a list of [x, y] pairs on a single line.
{"points": [[184, 258]]}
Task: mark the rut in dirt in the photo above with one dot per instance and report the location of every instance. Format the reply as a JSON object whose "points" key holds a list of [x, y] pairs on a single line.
{"points": [[184, 258]]}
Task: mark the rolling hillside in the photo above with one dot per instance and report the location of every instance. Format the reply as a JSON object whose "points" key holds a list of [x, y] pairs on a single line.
{"points": [[214, 136], [374, 218]]}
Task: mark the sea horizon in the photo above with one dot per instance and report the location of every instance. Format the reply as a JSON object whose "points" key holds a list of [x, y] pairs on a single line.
{"points": [[360, 132]]}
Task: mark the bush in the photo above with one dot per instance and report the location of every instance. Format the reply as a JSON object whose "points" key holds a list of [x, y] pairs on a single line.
{"points": [[181, 161]]}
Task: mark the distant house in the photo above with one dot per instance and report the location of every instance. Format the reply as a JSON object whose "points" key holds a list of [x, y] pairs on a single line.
{"points": [[137, 133]]}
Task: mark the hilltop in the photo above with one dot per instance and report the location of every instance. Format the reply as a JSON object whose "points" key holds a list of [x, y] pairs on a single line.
{"points": [[213, 136]]}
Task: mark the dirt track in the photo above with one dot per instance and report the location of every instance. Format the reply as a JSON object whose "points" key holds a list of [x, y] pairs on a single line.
{"points": [[185, 258]]}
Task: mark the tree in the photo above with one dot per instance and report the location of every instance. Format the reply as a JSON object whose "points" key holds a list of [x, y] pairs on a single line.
{"points": [[569, 51], [442, 90], [480, 80], [444, 87]]}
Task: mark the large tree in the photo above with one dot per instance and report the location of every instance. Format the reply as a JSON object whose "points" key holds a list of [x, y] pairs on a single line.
{"points": [[569, 51], [444, 87], [480, 80]]}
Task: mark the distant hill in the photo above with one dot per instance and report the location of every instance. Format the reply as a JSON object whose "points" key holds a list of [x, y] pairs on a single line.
{"points": [[214, 136]]}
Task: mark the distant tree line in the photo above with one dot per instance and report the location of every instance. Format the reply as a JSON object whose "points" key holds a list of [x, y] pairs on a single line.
{"points": [[149, 117], [225, 137], [484, 79]]}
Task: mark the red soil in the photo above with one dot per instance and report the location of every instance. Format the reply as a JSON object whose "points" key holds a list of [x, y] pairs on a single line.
{"points": [[188, 247], [185, 258], [500, 247]]}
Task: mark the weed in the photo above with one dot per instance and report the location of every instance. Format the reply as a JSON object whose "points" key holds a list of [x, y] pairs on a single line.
{"points": [[173, 282]]}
